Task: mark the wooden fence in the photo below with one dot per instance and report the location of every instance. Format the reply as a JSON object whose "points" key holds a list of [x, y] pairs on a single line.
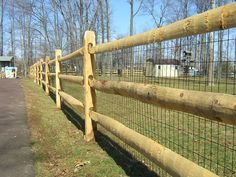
{"points": [[216, 106]]}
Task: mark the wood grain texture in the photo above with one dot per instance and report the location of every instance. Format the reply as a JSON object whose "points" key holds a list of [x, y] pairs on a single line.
{"points": [[90, 97], [58, 82], [215, 106], [71, 78], [173, 163], [212, 20]]}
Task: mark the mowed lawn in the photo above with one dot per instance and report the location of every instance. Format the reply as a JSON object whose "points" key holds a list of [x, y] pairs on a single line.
{"points": [[208, 143], [58, 145]]}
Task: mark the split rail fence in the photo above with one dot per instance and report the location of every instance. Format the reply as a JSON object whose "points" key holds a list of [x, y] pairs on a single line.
{"points": [[216, 107]]}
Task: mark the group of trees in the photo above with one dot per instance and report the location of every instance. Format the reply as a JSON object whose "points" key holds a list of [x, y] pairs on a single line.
{"points": [[34, 28], [208, 53], [31, 29]]}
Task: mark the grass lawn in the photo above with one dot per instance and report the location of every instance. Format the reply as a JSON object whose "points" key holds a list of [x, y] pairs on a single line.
{"points": [[58, 143], [207, 143]]}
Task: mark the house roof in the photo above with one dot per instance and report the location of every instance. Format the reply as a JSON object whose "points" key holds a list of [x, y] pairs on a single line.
{"points": [[6, 58], [164, 61]]}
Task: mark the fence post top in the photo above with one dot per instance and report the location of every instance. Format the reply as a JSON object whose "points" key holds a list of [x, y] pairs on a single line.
{"points": [[57, 50], [47, 58], [89, 33], [89, 39]]}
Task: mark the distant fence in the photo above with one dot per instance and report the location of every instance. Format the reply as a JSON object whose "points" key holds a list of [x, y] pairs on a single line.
{"points": [[216, 108]]}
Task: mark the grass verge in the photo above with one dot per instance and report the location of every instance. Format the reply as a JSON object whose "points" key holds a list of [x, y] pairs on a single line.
{"points": [[58, 145]]}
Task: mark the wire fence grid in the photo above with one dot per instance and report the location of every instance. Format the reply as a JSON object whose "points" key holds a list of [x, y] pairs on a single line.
{"points": [[205, 62]]}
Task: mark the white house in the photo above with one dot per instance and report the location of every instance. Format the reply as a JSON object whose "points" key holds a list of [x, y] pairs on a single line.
{"points": [[163, 68]]}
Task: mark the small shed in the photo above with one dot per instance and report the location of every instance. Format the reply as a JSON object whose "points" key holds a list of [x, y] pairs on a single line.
{"points": [[162, 68], [10, 72], [7, 68], [6, 61], [167, 68]]}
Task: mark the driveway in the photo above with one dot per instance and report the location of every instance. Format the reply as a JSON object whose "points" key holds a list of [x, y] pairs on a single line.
{"points": [[15, 152]]}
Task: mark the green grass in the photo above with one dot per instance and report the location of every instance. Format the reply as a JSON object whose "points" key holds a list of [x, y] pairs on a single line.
{"points": [[207, 143], [223, 85], [58, 145]]}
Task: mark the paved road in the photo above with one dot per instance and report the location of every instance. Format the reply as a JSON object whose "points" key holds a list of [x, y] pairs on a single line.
{"points": [[15, 152]]}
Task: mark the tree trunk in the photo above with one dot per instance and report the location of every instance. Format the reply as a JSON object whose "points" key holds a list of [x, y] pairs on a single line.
{"points": [[13, 30], [102, 21], [131, 33], [86, 14], [81, 21], [220, 53], [108, 20], [1, 26], [211, 55]]}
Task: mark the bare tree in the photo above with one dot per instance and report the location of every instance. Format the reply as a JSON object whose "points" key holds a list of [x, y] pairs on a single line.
{"points": [[211, 54], [26, 27], [157, 10], [12, 31], [108, 20], [133, 14], [2, 6], [102, 20]]}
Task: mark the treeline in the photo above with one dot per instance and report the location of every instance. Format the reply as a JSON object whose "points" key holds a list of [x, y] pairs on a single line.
{"points": [[30, 29]]}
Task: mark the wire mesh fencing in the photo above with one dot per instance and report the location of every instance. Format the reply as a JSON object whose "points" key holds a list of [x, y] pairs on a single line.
{"points": [[204, 62], [76, 69]]}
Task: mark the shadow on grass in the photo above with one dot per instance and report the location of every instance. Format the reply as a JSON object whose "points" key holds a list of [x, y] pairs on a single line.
{"points": [[123, 158]]}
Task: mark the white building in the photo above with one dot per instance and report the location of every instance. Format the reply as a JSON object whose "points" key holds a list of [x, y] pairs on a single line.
{"points": [[163, 68], [166, 70]]}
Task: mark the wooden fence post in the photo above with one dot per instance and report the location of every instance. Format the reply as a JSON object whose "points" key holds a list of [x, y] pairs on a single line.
{"points": [[58, 83], [46, 75], [90, 96], [35, 73], [38, 73], [30, 72], [36, 70], [41, 72]]}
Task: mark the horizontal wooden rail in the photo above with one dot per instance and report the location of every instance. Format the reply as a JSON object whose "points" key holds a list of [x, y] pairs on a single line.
{"points": [[73, 102], [70, 78], [173, 163], [72, 55], [43, 73], [51, 88], [43, 82], [212, 20], [51, 74], [51, 61], [215, 106]]}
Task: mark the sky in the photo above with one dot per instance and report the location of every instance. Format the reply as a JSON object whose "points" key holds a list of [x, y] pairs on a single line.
{"points": [[120, 19]]}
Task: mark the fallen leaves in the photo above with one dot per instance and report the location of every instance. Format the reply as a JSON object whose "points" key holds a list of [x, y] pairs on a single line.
{"points": [[79, 164]]}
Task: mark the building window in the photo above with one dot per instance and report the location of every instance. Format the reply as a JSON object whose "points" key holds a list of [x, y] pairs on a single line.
{"points": [[159, 67], [176, 67]]}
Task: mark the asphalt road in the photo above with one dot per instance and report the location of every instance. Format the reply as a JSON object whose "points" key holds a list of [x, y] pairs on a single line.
{"points": [[15, 152]]}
